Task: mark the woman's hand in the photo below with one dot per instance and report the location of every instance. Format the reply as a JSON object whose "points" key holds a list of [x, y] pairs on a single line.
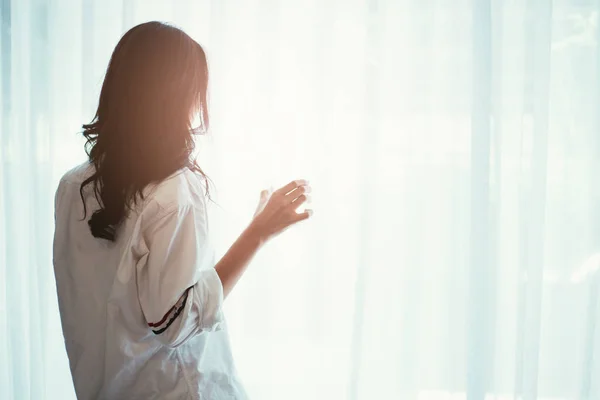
{"points": [[274, 214], [277, 211]]}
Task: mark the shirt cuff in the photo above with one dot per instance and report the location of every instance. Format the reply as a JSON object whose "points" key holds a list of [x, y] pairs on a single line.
{"points": [[208, 297]]}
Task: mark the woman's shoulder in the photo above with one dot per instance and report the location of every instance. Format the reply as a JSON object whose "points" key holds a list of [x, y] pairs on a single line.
{"points": [[78, 173], [179, 191]]}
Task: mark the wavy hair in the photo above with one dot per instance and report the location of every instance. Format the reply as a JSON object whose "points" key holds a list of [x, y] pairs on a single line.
{"points": [[155, 84]]}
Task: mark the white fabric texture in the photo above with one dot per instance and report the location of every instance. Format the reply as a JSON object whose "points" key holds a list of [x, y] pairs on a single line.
{"points": [[142, 316], [453, 149]]}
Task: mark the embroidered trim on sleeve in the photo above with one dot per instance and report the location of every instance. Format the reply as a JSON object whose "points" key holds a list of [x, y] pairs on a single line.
{"points": [[171, 315]]}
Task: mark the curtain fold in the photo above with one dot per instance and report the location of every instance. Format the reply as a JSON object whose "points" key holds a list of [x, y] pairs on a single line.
{"points": [[452, 147]]}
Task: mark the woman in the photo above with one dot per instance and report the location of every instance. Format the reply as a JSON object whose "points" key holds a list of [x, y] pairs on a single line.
{"points": [[140, 297]]}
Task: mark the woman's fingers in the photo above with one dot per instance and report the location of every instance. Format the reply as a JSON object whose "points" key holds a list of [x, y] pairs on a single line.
{"points": [[297, 217], [279, 210], [294, 217], [303, 198], [296, 193], [264, 198], [291, 186]]}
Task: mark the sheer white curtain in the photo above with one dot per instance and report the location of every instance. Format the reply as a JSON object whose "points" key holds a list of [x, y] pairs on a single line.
{"points": [[453, 147]]}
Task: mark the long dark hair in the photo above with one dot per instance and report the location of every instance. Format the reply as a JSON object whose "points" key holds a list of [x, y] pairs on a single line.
{"points": [[156, 80]]}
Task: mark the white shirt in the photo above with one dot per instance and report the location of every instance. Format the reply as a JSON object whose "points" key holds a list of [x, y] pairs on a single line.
{"points": [[142, 316]]}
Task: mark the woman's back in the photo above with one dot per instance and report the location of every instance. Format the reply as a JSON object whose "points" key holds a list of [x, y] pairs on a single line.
{"points": [[138, 312]]}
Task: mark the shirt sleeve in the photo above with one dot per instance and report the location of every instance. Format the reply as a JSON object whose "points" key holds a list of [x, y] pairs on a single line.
{"points": [[180, 297]]}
